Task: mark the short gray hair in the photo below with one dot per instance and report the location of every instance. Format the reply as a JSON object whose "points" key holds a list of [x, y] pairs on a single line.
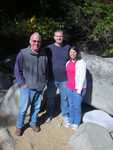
{"points": [[35, 34]]}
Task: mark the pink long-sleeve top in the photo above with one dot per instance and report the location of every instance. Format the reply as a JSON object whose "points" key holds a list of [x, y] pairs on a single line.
{"points": [[71, 72], [76, 75]]}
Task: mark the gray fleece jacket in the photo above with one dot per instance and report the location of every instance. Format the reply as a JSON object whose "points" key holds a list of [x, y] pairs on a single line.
{"points": [[31, 69]]}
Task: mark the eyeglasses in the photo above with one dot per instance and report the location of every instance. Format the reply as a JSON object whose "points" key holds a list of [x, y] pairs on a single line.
{"points": [[59, 36], [36, 41]]}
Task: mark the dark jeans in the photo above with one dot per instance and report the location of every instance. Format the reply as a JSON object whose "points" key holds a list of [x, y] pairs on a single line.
{"points": [[52, 89]]}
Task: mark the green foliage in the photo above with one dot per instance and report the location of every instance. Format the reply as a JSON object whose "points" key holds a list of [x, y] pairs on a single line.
{"points": [[25, 27], [99, 17], [95, 21], [87, 21]]}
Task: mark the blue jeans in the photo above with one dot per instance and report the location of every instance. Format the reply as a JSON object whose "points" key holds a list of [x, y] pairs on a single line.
{"points": [[28, 97], [51, 94], [75, 101]]}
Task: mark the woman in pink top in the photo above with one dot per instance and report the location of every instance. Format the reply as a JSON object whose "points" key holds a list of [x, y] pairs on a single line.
{"points": [[76, 84]]}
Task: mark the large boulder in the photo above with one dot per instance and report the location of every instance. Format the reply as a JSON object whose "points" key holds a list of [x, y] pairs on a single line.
{"points": [[6, 140], [6, 80], [9, 102], [90, 136], [99, 82], [99, 117], [99, 90]]}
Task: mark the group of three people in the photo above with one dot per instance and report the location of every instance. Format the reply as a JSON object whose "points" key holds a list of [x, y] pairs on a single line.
{"points": [[59, 66]]}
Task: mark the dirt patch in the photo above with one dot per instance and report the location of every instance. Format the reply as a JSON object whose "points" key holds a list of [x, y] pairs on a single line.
{"points": [[53, 136]]}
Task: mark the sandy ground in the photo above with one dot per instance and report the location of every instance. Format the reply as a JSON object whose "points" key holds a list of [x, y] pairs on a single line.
{"points": [[53, 136]]}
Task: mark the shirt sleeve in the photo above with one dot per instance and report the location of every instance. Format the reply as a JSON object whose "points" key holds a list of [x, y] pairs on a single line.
{"points": [[18, 69], [81, 76]]}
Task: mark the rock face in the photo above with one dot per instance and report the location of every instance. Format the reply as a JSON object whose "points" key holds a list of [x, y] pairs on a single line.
{"points": [[5, 80], [9, 103], [99, 94], [7, 72], [99, 86], [99, 82], [6, 141], [99, 117], [90, 136]]}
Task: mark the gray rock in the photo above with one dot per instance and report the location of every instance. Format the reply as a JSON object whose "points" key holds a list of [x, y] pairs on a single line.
{"points": [[9, 104], [99, 117], [100, 82], [5, 80], [99, 91], [90, 136], [6, 141]]}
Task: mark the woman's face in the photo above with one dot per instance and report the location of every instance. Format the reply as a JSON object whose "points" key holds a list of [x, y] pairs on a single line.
{"points": [[72, 54]]}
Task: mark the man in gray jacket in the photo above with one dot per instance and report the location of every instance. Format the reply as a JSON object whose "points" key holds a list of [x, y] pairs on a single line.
{"points": [[31, 76]]}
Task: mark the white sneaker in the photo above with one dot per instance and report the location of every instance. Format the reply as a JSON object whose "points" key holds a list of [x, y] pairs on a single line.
{"points": [[67, 124], [74, 126], [66, 119], [49, 120]]}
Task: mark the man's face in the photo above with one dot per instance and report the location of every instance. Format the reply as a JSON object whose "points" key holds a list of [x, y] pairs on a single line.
{"points": [[59, 37], [35, 42]]}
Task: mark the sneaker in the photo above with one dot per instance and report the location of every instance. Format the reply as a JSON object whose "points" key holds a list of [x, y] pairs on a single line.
{"points": [[18, 131], [74, 126], [36, 128], [66, 120], [67, 125], [49, 120]]}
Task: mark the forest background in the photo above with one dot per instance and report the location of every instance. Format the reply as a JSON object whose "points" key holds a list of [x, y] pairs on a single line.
{"points": [[87, 23]]}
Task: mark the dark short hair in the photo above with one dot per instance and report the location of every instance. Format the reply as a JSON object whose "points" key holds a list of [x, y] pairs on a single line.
{"points": [[77, 50]]}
